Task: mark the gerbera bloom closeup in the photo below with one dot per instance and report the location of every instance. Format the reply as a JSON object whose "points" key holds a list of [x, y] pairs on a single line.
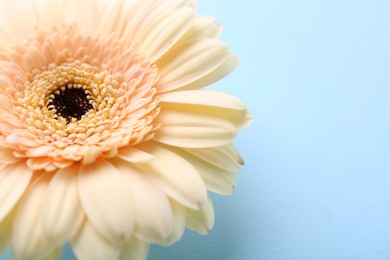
{"points": [[107, 138]]}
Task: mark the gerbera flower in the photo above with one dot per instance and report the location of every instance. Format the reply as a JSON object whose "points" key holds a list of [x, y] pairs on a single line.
{"points": [[107, 139]]}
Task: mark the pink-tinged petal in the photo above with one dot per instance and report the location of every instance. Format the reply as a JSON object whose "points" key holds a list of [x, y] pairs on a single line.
{"points": [[106, 200], [194, 129], [216, 179], [89, 244], [188, 62], [14, 180], [134, 155], [62, 212], [6, 231], [7, 157], [28, 241], [228, 66], [134, 250], [176, 177], [148, 199], [19, 28], [225, 157], [164, 32], [202, 220]]}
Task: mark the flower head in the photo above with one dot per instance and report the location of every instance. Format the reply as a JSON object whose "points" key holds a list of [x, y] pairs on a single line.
{"points": [[107, 137]]}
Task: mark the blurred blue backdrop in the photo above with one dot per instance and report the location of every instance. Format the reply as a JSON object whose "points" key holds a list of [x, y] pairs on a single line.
{"points": [[316, 184]]}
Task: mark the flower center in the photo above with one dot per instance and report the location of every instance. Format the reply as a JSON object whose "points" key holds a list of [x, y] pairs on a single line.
{"points": [[70, 101]]}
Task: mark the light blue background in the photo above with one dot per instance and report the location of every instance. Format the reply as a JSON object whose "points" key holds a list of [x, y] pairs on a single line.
{"points": [[316, 76]]}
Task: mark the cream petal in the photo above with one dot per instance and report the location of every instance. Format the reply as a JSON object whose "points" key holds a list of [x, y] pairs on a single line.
{"points": [[161, 35], [213, 102], [83, 13], [62, 212], [106, 200], [224, 157], [194, 129], [134, 250], [216, 179], [148, 199], [179, 216], [202, 220], [142, 13], [203, 27], [14, 180], [176, 177], [208, 98], [6, 231], [27, 238], [89, 244], [188, 62], [10, 14], [54, 255], [112, 19], [49, 13], [134, 155], [228, 66]]}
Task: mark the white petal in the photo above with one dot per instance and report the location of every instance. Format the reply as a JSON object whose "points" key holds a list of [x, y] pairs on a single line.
{"points": [[188, 62], [27, 238], [228, 66], [176, 177], [134, 155], [194, 129], [6, 231], [153, 212], [106, 200], [62, 212], [201, 221], [89, 244], [14, 180], [164, 32], [49, 13], [10, 17], [224, 157], [134, 250], [216, 179]]}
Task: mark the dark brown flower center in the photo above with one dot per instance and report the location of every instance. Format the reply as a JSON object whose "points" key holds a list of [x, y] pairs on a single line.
{"points": [[70, 101]]}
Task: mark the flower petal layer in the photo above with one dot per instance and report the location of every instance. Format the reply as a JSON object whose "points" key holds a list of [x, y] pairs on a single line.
{"points": [[176, 177], [202, 220], [28, 241], [62, 212], [188, 62], [14, 180], [106, 200], [194, 129], [89, 244], [148, 199], [134, 250]]}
